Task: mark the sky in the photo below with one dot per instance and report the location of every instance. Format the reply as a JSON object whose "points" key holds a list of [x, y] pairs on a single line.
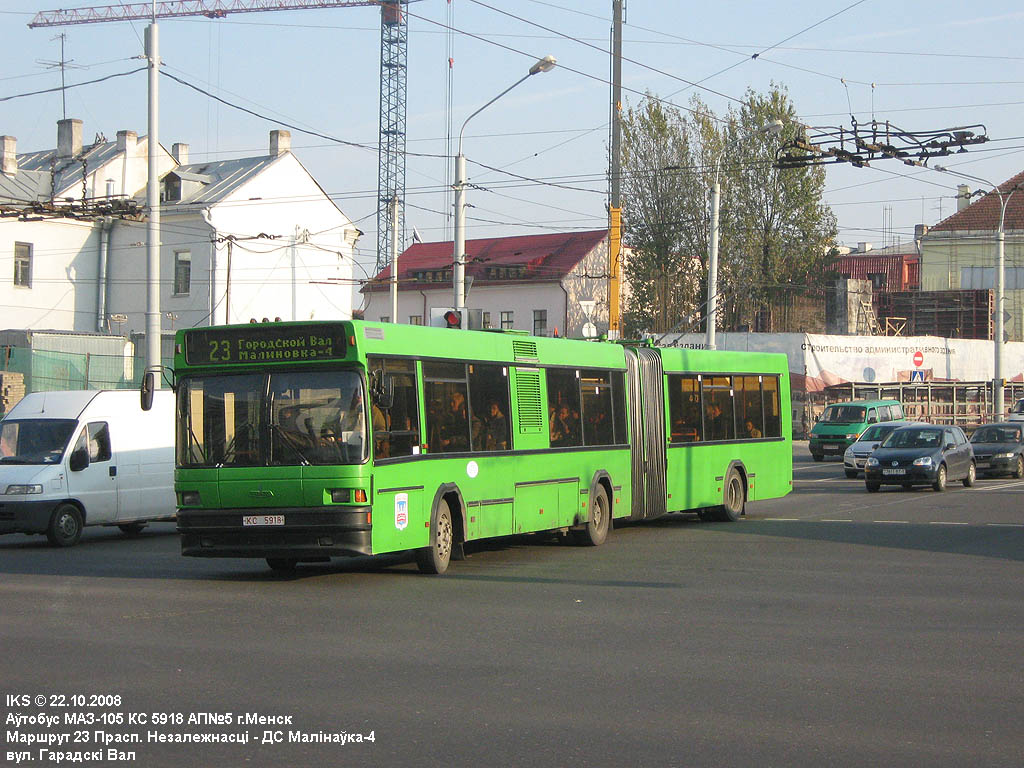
{"points": [[537, 157]]}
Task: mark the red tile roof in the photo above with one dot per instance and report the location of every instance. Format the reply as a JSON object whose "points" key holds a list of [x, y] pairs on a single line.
{"points": [[983, 215], [547, 257]]}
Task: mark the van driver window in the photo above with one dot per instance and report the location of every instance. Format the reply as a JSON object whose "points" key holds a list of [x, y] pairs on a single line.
{"points": [[99, 441]]}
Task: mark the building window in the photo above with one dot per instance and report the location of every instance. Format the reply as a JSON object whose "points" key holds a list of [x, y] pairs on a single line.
{"points": [[506, 320], [415, 319], [23, 265], [486, 321], [540, 322], [182, 272]]}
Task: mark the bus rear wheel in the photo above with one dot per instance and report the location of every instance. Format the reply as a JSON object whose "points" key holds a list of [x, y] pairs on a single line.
{"points": [[435, 557], [599, 521], [734, 497]]}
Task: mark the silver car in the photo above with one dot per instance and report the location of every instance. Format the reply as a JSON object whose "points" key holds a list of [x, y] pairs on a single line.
{"points": [[857, 454]]}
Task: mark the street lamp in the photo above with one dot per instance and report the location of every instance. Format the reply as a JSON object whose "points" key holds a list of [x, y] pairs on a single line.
{"points": [[998, 395], [459, 270], [773, 128]]}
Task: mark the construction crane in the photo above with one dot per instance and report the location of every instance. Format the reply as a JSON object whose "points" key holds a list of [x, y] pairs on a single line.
{"points": [[394, 36]]}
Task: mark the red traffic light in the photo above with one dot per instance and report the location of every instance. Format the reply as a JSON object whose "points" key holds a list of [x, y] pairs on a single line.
{"points": [[453, 319]]}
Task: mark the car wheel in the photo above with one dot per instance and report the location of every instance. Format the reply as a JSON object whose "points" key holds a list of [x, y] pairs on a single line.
{"points": [[851, 473], [1018, 468], [972, 475], [940, 479], [872, 487], [65, 528]]}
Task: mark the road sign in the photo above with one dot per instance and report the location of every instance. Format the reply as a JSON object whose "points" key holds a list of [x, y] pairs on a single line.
{"points": [[917, 375], [918, 359]]}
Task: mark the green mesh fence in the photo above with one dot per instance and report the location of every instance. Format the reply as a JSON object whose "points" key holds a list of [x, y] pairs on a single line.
{"points": [[46, 371]]}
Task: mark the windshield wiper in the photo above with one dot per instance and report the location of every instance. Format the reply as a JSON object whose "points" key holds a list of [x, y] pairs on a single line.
{"points": [[288, 441], [13, 460]]}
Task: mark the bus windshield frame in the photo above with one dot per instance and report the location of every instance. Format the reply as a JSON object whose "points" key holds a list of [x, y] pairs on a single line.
{"points": [[279, 418]]}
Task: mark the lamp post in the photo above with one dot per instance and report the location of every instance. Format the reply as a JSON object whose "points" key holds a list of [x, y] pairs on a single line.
{"points": [[773, 128], [998, 393], [459, 268]]}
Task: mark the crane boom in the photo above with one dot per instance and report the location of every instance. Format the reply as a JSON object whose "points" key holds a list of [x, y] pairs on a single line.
{"points": [[213, 9]]}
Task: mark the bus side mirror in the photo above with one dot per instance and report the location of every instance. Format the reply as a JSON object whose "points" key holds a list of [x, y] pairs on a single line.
{"points": [[146, 392], [382, 389], [79, 459]]}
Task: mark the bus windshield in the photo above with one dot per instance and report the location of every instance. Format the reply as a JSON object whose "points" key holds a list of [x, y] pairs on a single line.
{"points": [[34, 441], [280, 419]]}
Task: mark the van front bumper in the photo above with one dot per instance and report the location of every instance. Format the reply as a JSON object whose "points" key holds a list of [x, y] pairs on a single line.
{"points": [[306, 533], [829, 446], [24, 516]]}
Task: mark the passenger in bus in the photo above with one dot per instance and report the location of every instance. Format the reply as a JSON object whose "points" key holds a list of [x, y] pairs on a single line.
{"points": [[455, 425], [714, 423], [496, 429], [381, 425], [291, 433], [564, 430], [752, 432]]}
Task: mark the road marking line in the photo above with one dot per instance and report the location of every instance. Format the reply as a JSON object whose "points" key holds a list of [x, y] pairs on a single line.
{"points": [[836, 520], [1000, 487], [1005, 525], [892, 522], [783, 519], [823, 480], [939, 522]]}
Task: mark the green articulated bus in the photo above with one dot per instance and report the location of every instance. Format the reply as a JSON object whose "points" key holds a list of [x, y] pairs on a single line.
{"points": [[306, 441]]}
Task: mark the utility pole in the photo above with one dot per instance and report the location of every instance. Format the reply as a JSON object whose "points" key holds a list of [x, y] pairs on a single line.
{"points": [[615, 206], [153, 324]]}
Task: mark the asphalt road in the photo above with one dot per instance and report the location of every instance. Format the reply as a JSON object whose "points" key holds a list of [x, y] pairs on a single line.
{"points": [[831, 627]]}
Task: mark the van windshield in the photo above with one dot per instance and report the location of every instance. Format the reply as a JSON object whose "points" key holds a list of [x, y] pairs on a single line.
{"points": [[843, 414], [281, 419], [34, 441]]}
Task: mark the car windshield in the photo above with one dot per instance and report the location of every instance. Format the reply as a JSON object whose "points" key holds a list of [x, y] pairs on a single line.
{"points": [[877, 433], [1018, 407], [34, 441], [843, 414], [996, 434], [280, 419], [914, 438]]}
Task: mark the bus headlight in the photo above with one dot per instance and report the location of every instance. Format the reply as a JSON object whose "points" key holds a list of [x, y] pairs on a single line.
{"points": [[23, 489]]}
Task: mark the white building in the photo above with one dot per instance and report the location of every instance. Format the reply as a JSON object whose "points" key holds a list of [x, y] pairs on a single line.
{"points": [[252, 237], [534, 283]]}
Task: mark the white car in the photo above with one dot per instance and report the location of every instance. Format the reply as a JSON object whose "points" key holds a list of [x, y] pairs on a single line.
{"points": [[1017, 411], [857, 454]]}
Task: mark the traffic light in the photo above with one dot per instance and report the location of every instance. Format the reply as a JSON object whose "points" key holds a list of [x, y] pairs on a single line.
{"points": [[453, 319]]}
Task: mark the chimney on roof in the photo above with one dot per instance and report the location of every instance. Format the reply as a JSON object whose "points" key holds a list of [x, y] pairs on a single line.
{"points": [[863, 247], [180, 153], [280, 142], [10, 155], [126, 142], [69, 138], [963, 197]]}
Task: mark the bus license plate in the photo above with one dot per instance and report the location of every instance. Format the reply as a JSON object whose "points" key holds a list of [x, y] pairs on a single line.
{"points": [[894, 471], [263, 520]]}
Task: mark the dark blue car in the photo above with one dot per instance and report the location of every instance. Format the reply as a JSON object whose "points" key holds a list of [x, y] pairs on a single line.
{"points": [[921, 454], [999, 448]]}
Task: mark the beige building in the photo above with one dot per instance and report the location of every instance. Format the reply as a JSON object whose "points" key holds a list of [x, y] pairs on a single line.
{"points": [[959, 253]]}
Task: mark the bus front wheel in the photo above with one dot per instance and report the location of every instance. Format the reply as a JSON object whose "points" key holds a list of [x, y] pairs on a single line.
{"points": [[599, 522], [435, 557]]}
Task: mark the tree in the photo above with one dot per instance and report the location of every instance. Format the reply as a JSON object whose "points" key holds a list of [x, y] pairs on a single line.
{"points": [[774, 228]]}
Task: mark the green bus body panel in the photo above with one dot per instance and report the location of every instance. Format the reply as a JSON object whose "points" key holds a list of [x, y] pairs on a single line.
{"points": [[529, 488]]}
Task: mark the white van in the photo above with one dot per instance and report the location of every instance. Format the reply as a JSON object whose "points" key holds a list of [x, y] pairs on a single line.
{"points": [[92, 457], [1017, 411]]}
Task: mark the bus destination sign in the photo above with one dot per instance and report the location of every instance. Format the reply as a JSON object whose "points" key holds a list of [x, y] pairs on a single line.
{"points": [[264, 344]]}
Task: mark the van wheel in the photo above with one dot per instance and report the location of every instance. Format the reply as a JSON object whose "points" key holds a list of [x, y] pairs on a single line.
{"points": [[435, 557], [132, 529], [282, 564], [599, 522], [65, 528], [735, 498]]}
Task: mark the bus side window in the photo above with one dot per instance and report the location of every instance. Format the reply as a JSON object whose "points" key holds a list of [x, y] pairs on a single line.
{"points": [[596, 390], [883, 413], [396, 429], [564, 407], [447, 421], [719, 419], [772, 420], [684, 408], [489, 407]]}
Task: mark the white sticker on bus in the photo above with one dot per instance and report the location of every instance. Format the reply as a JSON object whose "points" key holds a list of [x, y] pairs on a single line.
{"points": [[401, 511], [472, 469]]}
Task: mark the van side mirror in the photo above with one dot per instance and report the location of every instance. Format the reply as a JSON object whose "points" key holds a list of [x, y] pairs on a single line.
{"points": [[146, 392], [79, 459]]}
